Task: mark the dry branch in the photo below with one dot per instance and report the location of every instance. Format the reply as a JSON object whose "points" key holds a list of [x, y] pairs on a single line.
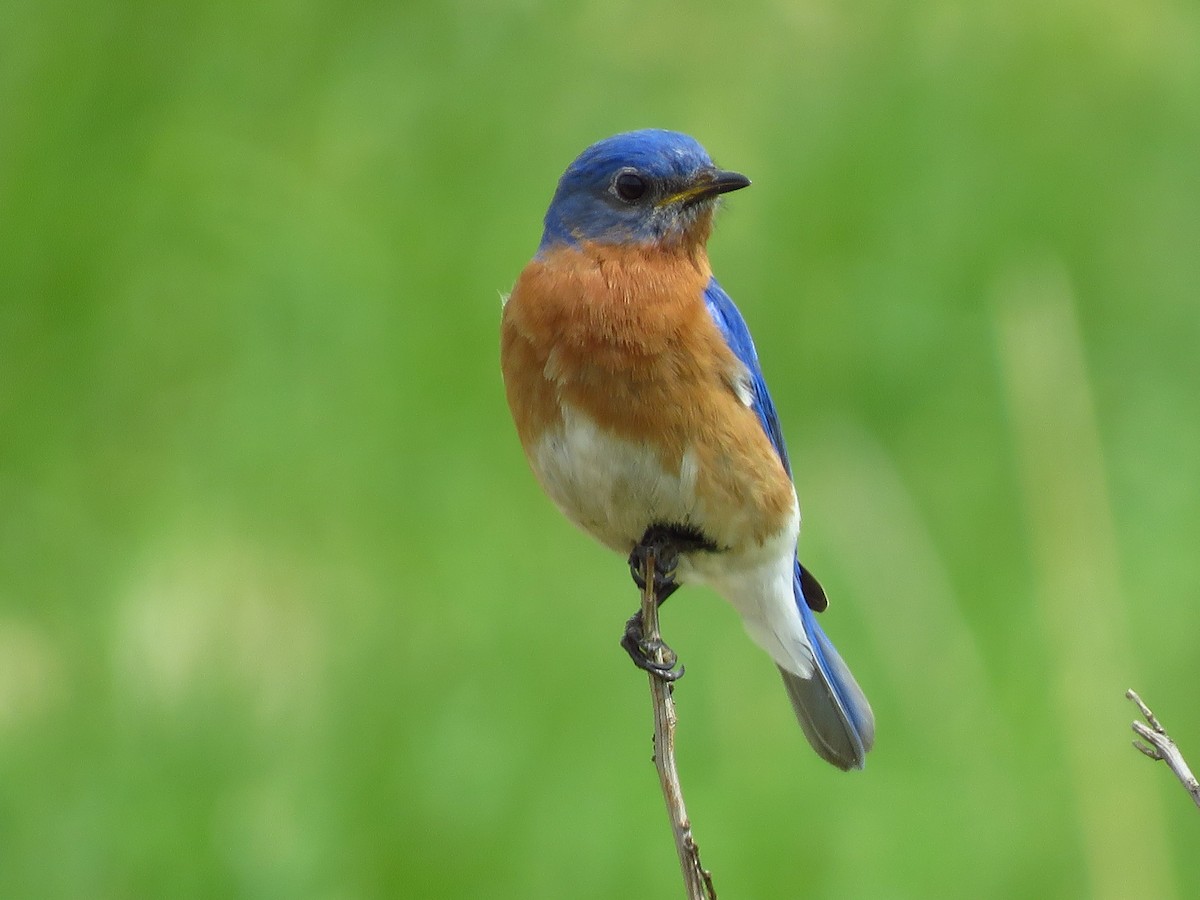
{"points": [[1160, 746], [696, 878]]}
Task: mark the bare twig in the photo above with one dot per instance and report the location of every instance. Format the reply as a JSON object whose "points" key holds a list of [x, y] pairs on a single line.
{"points": [[1160, 746], [696, 878]]}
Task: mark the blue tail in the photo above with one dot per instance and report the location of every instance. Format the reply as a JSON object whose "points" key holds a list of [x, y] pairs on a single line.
{"points": [[831, 707]]}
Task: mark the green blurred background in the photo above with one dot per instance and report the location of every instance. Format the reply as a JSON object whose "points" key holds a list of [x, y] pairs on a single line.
{"points": [[282, 611]]}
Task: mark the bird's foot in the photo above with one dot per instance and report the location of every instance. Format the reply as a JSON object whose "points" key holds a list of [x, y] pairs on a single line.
{"points": [[661, 544], [646, 653], [665, 542]]}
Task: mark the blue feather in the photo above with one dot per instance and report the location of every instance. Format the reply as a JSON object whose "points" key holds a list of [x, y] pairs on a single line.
{"points": [[737, 335]]}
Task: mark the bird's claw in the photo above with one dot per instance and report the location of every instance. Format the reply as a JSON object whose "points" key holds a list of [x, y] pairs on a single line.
{"points": [[664, 543], [666, 559], [645, 652]]}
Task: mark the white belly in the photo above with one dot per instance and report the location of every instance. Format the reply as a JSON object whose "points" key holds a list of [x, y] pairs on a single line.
{"points": [[612, 488]]}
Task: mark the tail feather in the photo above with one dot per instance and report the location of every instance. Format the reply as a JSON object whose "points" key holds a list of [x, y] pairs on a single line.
{"points": [[832, 709]]}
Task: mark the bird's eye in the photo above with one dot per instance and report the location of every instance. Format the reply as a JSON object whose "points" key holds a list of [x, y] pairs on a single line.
{"points": [[629, 186]]}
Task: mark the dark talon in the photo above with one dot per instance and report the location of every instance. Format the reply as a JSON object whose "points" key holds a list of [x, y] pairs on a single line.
{"points": [[666, 559], [642, 652], [665, 543]]}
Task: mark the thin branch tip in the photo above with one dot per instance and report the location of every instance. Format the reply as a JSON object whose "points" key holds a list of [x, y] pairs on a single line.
{"points": [[1144, 709], [1146, 749]]}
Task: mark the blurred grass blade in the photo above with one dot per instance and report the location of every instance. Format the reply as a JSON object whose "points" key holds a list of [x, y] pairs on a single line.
{"points": [[1082, 607]]}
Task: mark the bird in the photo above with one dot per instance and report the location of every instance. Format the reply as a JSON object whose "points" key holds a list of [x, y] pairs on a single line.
{"points": [[639, 400]]}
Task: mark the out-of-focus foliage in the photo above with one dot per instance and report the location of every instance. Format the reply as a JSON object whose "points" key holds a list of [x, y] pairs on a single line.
{"points": [[282, 612]]}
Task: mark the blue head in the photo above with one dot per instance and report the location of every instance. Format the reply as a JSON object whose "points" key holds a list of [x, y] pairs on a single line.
{"points": [[640, 187]]}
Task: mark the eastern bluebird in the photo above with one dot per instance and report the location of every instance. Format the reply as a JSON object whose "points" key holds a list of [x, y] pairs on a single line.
{"points": [[639, 400]]}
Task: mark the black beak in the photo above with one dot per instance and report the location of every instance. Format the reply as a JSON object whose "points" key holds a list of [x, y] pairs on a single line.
{"points": [[724, 181], [707, 184]]}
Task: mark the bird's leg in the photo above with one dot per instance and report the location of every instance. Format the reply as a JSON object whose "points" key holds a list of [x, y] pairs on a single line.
{"points": [[663, 543]]}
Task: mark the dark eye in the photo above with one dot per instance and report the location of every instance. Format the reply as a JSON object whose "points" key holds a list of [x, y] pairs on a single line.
{"points": [[630, 186]]}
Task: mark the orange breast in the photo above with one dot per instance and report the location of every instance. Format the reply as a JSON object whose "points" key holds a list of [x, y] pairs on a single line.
{"points": [[622, 336]]}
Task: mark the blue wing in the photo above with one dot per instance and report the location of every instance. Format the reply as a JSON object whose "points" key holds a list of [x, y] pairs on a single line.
{"points": [[733, 327], [832, 709]]}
